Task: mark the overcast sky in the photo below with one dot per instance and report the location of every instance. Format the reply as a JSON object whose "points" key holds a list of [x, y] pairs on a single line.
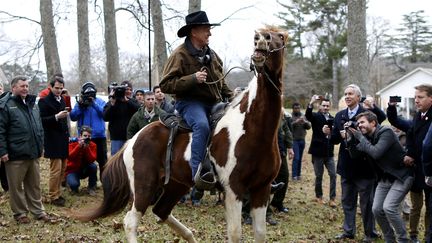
{"points": [[232, 41]]}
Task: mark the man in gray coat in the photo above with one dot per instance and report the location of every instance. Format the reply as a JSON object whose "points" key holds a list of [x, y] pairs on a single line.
{"points": [[382, 146], [21, 145]]}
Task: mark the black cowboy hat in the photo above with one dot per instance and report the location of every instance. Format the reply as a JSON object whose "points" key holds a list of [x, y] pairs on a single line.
{"points": [[194, 19]]}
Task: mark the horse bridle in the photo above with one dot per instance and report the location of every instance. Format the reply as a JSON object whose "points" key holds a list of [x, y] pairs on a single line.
{"points": [[252, 66]]}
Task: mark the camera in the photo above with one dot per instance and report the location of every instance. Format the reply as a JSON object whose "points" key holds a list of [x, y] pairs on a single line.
{"points": [[362, 99], [87, 140], [119, 90], [395, 99], [352, 124]]}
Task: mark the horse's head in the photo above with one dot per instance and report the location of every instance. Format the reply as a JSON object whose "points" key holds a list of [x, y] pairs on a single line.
{"points": [[269, 44]]}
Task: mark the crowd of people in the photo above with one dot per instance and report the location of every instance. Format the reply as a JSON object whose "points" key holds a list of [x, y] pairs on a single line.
{"points": [[376, 168]]}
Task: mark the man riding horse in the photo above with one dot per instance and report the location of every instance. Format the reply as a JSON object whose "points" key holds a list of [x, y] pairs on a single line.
{"points": [[194, 74]]}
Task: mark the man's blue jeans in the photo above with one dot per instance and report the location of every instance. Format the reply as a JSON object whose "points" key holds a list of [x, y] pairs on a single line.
{"points": [[298, 147], [73, 179], [116, 145], [195, 114], [387, 200]]}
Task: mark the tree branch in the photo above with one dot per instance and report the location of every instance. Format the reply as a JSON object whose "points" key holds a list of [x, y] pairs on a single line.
{"points": [[16, 18]]}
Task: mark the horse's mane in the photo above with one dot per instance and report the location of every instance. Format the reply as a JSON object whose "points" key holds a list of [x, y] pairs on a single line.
{"points": [[274, 28]]}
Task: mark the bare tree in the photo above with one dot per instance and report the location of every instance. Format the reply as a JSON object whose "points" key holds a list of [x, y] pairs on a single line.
{"points": [[111, 47], [357, 41], [194, 5], [83, 41], [52, 58], [160, 54]]}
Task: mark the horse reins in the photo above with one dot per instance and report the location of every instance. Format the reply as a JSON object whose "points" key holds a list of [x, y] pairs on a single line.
{"points": [[229, 70], [251, 69]]}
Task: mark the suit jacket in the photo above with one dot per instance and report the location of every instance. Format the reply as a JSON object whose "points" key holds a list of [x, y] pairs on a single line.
{"points": [[348, 167], [320, 144], [427, 153], [56, 139], [415, 137]]}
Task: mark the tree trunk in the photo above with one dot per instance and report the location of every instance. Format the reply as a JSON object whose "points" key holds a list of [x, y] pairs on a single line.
{"points": [[194, 5], [160, 54], [335, 84], [83, 41], [52, 58], [111, 47], [357, 50]]}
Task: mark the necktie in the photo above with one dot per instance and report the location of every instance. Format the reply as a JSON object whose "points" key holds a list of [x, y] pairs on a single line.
{"points": [[350, 114], [422, 116]]}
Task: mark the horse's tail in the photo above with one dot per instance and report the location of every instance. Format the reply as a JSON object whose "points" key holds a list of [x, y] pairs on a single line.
{"points": [[116, 189]]}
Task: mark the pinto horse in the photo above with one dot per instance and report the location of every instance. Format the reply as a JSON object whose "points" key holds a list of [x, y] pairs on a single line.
{"points": [[243, 149]]}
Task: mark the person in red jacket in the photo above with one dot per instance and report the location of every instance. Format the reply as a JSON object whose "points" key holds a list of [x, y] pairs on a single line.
{"points": [[81, 162]]}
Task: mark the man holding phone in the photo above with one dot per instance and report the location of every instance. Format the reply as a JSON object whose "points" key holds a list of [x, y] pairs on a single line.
{"points": [[56, 140], [320, 148]]}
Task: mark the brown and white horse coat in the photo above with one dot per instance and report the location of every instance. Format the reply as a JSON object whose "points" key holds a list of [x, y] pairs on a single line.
{"points": [[243, 149]]}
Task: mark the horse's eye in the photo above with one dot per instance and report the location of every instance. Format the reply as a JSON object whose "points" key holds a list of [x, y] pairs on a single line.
{"points": [[268, 37], [256, 38]]}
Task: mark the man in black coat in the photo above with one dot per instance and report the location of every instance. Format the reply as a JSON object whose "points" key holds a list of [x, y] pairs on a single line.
{"points": [[320, 148], [357, 175], [118, 112], [56, 140], [415, 136]]}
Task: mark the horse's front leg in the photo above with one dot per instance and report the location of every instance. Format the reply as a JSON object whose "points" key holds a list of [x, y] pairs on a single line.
{"points": [[233, 209], [259, 200], [130, 222]]}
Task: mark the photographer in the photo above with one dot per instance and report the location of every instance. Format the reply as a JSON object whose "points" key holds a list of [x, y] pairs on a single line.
{"points": [[88, 111], [320, 148], [357, 177], [118, 112], [383, 149], [80, 165]]}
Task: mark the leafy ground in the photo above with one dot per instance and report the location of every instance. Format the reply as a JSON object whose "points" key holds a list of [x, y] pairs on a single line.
{"points": [[306, 221]]}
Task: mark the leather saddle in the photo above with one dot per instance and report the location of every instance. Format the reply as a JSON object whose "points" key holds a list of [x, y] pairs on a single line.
{"points": [[175, 123]]}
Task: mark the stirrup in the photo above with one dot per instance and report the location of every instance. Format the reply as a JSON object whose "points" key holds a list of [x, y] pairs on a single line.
{"points": [[206, 182], [276, 187]]}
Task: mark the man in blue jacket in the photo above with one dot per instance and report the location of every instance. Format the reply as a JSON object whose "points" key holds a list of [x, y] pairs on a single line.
{"points": [[89, 111]]}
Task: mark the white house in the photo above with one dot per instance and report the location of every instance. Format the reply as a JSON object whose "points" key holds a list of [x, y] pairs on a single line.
{"points": [[404, 87]]}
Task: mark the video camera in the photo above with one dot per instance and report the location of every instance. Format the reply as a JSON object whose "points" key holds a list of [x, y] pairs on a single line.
{"points": [[88, 94], [119, 90]]}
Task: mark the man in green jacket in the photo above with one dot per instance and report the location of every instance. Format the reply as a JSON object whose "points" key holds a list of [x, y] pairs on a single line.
{"points": [[21, 146], [145, 115]]}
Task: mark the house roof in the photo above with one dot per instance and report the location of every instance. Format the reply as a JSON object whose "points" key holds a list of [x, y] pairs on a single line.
{"points": [[401, 79]]}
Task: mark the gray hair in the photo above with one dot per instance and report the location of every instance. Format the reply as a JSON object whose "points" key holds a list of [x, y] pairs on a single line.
{"points": [[356, 89]]}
